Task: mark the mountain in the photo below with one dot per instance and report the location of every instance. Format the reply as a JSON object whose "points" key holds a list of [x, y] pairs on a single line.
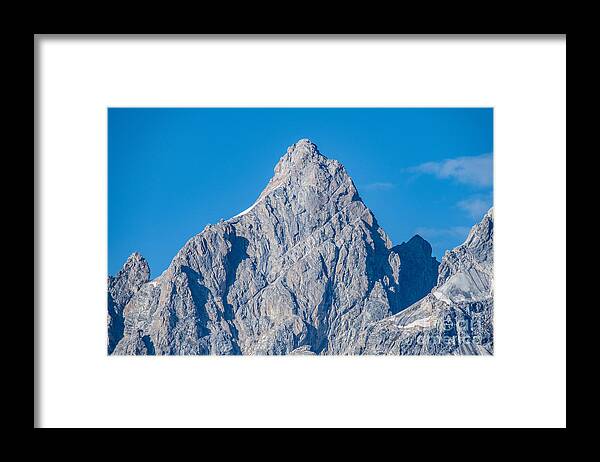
{"points": [[305, 270], [121, 288], [456, 317]]}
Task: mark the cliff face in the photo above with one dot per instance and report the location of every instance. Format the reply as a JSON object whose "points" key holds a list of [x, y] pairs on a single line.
{"points": [[305, 270]]}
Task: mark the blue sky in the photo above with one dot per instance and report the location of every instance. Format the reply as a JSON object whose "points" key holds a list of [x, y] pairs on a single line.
{"points": [[173, 171]]}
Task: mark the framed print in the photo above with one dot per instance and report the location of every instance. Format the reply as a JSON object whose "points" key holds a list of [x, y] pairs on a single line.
{"points": [[294, 232]]}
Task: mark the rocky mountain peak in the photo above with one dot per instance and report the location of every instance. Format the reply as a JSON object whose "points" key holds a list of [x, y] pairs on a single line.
{"points": [[302, 155], [481, 234], [121, 288], [419, 244], [306, 183], [134, 270], [135, 256], [303, 150], [465, 272]]}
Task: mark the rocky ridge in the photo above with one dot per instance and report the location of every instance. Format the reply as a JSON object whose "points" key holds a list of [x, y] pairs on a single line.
{"points": [[456, 317]]}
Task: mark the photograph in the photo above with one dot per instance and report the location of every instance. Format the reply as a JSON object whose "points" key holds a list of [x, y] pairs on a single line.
{"points": [[362, 231]]}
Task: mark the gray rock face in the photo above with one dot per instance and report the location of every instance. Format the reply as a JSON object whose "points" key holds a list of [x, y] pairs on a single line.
{"points": [[121, 288], [456, 317], [420, 269], [305, 270]]}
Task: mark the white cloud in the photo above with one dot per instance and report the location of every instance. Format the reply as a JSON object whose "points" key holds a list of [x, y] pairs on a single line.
{"points": [[475, 206], [473, 170], [381, 186]]}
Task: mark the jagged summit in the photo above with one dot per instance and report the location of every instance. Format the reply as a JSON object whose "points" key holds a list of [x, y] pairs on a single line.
{"points": [[304, 149], [303, 180], [482, 230], [135, 257], [418, 242], [302, 154], [135, 266], [121, 288]]}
